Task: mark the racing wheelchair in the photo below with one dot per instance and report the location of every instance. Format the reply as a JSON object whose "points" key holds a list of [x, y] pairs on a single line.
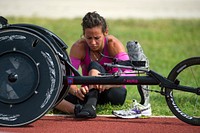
{"points": [[36, 73]]}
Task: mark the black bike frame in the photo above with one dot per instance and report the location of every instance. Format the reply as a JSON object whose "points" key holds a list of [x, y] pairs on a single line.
{"points": [[152, 78]]}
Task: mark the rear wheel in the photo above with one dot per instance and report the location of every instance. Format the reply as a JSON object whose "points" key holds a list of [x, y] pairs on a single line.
{"points": [[32, 72]]}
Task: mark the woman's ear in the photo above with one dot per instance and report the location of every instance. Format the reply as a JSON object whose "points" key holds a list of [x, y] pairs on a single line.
{"points": [[106, 32]]}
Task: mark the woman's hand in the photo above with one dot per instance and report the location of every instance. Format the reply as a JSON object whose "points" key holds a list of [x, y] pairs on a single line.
{"points": [[101, 88], [81, 92]]}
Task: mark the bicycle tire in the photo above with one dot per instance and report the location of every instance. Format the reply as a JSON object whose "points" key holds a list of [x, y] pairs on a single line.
{"points": [[187, 74]]}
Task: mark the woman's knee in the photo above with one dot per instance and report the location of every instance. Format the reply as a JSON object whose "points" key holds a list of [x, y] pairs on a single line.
{"points": [[95, 66], [117, 96]]}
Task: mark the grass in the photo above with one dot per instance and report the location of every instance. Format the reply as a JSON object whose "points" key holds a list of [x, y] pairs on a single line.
{"points": [[165, 42]]}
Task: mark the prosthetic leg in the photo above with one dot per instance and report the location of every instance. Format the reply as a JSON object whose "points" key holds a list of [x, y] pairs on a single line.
{"points": [[136, 53]]}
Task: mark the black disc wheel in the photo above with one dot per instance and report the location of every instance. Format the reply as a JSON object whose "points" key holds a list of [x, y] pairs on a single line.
{"points": [[31, 75]]}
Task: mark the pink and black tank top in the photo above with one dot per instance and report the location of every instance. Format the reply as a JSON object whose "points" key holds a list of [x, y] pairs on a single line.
{"points": [[85, 63]]}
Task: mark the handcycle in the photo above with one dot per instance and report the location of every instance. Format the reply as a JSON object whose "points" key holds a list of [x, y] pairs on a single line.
{"points": [[36, 74]]}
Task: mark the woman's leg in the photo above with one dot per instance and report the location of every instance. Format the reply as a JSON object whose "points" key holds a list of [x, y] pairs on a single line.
{"points": [[115, 96], [65, 106], [89, 108]]}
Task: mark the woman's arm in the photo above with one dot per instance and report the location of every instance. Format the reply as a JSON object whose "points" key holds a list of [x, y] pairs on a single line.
{"points": [[77, 53]]}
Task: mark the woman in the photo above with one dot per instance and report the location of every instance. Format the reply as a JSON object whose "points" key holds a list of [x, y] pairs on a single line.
{"points": [[91, 52]]}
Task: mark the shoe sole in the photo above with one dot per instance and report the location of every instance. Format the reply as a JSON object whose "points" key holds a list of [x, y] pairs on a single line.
{"points": [[85, 115], [133, 117]]}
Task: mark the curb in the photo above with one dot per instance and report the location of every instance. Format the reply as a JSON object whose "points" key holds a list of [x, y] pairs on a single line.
{"points": [[68, 116]]}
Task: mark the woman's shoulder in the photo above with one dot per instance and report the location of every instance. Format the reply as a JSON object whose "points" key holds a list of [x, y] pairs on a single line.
{"points": [[79, 43], [115, 46], [78, 49], [111, 37], [112, 40]]}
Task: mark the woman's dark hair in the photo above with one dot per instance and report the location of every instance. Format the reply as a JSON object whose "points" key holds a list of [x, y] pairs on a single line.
{"points": [[93, 19]]}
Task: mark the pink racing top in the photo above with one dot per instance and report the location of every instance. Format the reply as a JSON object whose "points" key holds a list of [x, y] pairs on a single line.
{"points": [[85, 63]]}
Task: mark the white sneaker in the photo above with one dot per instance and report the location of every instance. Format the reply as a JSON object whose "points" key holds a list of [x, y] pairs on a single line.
{"points": [[136, 111]]}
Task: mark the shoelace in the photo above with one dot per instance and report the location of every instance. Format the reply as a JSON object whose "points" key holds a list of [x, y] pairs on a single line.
{"points": [[133, 110], [135, 106]]}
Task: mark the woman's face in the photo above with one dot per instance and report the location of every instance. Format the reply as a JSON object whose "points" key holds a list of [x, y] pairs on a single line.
{"points": [[94, 38]]}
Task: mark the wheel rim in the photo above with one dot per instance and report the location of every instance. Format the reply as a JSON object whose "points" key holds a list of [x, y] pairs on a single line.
{"points": [[19, 77]]}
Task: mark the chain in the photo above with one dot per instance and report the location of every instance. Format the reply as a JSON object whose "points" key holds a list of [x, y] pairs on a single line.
{"points": [[96, 58]]}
